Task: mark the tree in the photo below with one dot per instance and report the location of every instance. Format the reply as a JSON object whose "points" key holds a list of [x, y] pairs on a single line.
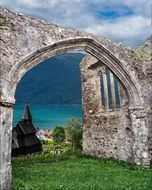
{"points": [[58, 134], [73, 132]]}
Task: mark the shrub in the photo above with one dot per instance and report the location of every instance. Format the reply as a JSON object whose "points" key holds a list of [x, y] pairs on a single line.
{"points": [[46, 142], [58, 134], [73, 132]]}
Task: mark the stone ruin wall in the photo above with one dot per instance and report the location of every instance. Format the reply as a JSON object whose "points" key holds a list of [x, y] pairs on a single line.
{"points": [[143, 115], [107, 132], [143, 58], [118, 133]]}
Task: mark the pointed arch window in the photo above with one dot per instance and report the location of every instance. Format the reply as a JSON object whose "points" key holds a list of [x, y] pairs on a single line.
{"points": [[109, 90], [117, 95], [102, 89]]}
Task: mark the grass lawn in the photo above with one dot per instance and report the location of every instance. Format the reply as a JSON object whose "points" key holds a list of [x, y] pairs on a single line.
{"points": [[76, 172]]}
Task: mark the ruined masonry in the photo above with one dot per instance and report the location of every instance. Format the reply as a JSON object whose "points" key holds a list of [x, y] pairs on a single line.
{"points": [[116, 87]]}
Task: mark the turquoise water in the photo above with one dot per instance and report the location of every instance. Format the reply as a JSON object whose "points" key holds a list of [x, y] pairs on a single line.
{"points": [[47, 116]]}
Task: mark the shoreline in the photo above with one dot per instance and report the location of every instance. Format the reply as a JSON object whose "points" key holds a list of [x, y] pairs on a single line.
{"points": [[47, 116], [30, 104]]}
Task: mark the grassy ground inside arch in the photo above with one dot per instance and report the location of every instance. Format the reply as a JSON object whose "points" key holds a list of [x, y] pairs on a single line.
{"points": [[72, 171]]}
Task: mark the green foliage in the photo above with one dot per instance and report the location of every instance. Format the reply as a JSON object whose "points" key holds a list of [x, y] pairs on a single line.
{"points": [[143, 53], [3, 21], [71, 171], [58, 134], [73, 132], [46, 142], [94, 104]]}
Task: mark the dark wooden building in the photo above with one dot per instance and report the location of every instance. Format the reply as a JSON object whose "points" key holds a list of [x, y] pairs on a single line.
{"points": [[24, 139]]}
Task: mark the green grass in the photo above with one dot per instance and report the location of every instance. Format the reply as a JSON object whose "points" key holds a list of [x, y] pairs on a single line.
{"points": [[75, 172]]}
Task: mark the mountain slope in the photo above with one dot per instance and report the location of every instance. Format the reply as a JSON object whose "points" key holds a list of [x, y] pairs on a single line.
{"points": [[54, 81]]}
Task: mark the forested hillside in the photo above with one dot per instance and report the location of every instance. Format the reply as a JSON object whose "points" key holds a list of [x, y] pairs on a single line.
{"points": [[55, 81]]}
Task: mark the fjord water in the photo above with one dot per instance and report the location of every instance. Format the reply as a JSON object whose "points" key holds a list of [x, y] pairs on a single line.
{"points": [[47, 116]]}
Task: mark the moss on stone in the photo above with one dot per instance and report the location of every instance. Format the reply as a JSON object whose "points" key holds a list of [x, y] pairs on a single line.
{"points": [[93, 104], [3, 21], [144, 52], [6, 23], [82, 63]]}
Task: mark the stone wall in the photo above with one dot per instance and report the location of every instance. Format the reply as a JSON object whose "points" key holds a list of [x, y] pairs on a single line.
{"points": [[123, 133], [143, 61], [107, 132], [5, 146], [108, 135]]}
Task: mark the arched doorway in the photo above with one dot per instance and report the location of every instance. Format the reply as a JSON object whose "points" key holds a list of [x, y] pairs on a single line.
{"points": [[52, 89]]}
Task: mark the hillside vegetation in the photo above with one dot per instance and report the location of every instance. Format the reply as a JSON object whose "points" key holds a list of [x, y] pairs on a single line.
{"points": [[54, 81]]}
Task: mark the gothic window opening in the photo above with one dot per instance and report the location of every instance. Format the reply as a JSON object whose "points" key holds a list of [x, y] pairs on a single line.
{"points": [[116, 84], [102, 89], [109, 90]]}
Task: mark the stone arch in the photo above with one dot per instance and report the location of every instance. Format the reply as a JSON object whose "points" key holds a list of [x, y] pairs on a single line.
{"points": [[91, 46]]}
